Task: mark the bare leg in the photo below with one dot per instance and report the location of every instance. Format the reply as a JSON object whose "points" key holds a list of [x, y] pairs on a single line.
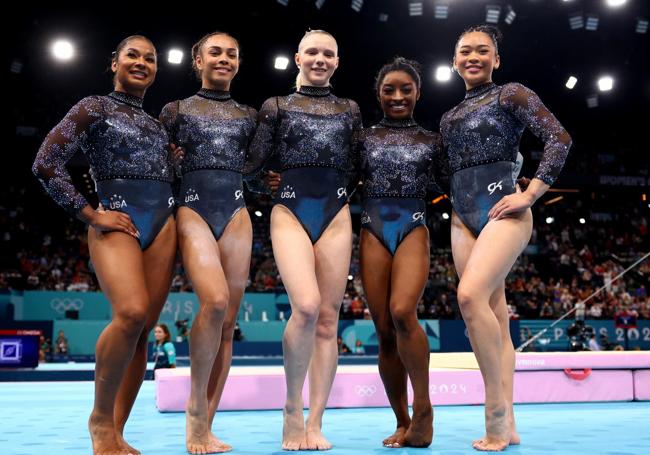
{"points": [[376, 264], [201, 258], [500, 308], [118, 264], [332, 252], [294, 255], [408, 278], [158, 261], [484, 272], [235, 247]]}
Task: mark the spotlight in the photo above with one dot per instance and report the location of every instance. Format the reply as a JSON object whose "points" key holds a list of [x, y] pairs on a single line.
{"points": [[443, 73], [350, 278], [175, 56], [616, 3], [605, 83], [283, 2], [549, 219], [281, 63], [383, 17], [357, 5], [258, 213], [319, 3], [63, 50], [582, 221], [571, 82], [445, 216]]}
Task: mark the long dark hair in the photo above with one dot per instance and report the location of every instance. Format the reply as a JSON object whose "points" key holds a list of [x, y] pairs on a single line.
{"points": [[168, 336]]}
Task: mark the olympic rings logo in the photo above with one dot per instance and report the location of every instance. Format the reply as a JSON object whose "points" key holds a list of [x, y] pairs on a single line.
{"points": [[365, 390], [63, 305]]}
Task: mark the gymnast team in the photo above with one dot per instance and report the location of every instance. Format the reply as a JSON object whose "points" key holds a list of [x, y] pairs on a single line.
{"points": [[310, 151]]}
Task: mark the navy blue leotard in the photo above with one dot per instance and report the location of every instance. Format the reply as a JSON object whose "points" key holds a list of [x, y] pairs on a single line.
{"points": [[396, 164], [312, 133], [481, 142], [127, 150], [215, 132]]}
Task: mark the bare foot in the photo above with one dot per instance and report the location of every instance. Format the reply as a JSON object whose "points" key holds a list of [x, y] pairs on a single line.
{"points": [[498, 433], [315, 439], [104, 437], [130, 449], [420, 432], [396, 440], [226, 447], [198, 437], [293, 429], [514, 436]]}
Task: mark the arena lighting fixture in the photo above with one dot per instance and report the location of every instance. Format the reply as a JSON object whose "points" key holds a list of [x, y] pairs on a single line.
{"points": [[592, 101], [641, 25], [415, 8], [576, 21], [441, 10], [592, 22], [16, 67], [283, 2], [258, 213], [605, 83], [383, 17], [571, 82], [582, 221], [510, 15], [350, 278], [357, 5], [281, 63], [549, 219], [175, 56], [438, 199], [492, 14], [615, 3], [443, 73], [445, 216], [62, 50], [319, 3]]}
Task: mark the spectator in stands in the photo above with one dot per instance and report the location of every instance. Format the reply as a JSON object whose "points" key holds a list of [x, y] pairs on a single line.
{"points": [[163, 349], [61, 344]]}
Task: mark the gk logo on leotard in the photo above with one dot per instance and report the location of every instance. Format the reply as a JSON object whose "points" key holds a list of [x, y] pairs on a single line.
{"points": [[170, 201], [342, 192], [288, 193], [365, 390], [492, 187], [239, 194], [116, 202], [191, 195], [417, 216]]}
